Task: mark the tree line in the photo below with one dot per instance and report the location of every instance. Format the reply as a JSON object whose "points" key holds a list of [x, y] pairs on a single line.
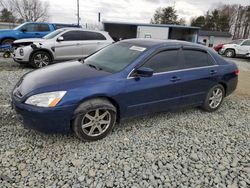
{"points": [[17, 11], [228, 18], [225, 18]]}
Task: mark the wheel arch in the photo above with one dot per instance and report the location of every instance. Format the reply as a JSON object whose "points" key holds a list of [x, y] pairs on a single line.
{"points": [[7, 38], [43, 50], [224, 86], [110, 99]]}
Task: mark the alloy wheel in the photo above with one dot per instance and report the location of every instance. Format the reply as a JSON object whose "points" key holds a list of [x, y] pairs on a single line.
{"points": [[95, 123], [41, 60], [215, 98]]}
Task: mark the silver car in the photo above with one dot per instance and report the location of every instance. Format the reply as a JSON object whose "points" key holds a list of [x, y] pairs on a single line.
{"points": [[60, 45]]}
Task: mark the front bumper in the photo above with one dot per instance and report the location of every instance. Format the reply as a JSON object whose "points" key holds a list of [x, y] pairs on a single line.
{"points": [[47, 120]]}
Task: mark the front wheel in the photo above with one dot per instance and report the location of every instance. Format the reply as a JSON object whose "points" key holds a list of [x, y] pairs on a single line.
{"points": [[94, 119], [229, 53], [214, 98], [40, 59]]}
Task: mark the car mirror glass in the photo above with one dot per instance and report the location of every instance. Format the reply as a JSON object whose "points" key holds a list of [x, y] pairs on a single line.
{"points": [[143, 72], [59, 39]]}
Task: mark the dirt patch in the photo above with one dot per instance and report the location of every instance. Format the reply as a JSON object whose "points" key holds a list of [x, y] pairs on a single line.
{"points": [[243, 88]]}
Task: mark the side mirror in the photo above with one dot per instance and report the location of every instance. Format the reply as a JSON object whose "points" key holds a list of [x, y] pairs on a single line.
{"points": [[59, 39], [24, 30], [143, 72]]}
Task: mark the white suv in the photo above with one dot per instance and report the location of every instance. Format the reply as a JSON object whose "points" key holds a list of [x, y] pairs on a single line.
{"points": [[62, 44], [240, 48]]}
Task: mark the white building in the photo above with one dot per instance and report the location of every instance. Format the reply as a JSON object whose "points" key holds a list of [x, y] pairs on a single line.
{"points": [[213, 38]]}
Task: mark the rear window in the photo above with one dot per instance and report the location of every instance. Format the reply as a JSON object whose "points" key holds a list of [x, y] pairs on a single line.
{"points": [[197, 58]]}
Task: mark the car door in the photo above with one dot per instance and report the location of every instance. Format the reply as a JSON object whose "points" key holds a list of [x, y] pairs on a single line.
{"points": [[93, 41], [244, 48], [156, 93], [34, 30], [199, 74], [70, 46]]}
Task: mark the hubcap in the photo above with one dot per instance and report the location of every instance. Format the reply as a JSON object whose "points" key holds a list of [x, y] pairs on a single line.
{"points": [[41, 60], [94, 123], [216, 98], [229, 54]]}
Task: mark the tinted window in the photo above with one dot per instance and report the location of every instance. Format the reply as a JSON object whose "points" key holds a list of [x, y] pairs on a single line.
{"points": [[246, 43], [163, 61], [195, 58], [43, 27], [82, 35], [30, 27], [94, 36], [72, 35]]}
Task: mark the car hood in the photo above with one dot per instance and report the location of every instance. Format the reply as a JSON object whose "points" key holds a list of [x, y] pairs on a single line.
{"points": [[58, 77], [6, 30], [29, 40]]}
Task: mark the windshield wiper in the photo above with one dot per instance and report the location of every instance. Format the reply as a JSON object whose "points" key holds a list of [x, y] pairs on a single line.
{"points": [[94, 66]]}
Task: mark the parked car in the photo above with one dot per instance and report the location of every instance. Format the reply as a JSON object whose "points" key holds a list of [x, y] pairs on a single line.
{"points": [[239, 48], [30, 30], [126, 79], [62, 44], [218, 48]]}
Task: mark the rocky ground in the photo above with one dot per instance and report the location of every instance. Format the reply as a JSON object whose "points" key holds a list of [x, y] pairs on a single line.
{"points": [[188, 148]]}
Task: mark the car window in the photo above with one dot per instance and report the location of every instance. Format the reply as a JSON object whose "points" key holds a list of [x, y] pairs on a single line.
{"points": [[43, 27], [72, 35], [116, 57], [82, 35], [197, 58], [30, 27], [93, 36], [163, 61], [246, 43]]}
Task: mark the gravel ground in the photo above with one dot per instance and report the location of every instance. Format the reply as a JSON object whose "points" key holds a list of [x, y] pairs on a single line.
{"points": [[188, 148]]}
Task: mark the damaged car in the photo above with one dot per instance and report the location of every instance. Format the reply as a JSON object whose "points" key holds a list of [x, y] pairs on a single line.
{"points": [[60, 45]]}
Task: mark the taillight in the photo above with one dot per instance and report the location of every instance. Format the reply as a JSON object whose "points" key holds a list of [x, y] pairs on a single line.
{"points": [[237, 72]]}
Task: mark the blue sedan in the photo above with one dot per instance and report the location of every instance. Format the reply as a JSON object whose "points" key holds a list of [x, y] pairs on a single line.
{"points": [[126, 79]]}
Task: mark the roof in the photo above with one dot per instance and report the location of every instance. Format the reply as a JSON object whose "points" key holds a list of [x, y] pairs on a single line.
{"points": [[152, 25], [148, 43], [214, 33]]}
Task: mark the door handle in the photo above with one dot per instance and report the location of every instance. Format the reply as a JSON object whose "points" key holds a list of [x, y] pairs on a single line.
{"points": [[77, 44], [36, 33], [212, 72], [175, 79]]}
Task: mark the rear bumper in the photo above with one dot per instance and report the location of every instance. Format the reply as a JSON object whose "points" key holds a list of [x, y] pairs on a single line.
{"points": [[47, 120]]}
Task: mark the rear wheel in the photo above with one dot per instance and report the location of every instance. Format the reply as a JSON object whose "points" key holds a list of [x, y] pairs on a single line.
{"points": [[94, 119], [40, 59], [214, 98], [229, 53]]}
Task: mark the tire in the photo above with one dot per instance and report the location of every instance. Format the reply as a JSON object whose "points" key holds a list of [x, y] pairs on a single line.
{"points": [[7, 41], [91, 114], [220, 52], [40, 59], [6, 55], [216, 94], [230, 53]]}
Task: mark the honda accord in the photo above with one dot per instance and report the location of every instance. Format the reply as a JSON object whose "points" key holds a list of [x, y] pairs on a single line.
{"points": [[127, 79]]}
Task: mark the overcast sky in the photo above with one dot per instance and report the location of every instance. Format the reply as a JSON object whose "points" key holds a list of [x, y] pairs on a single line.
{"points": [[64, 11]]}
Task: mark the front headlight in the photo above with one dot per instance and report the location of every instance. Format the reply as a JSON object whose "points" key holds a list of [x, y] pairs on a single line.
{"points": [[50, 99], [21, 52]]}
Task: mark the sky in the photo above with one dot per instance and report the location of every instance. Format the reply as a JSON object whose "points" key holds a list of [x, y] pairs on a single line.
{"points": [[64, 11]]}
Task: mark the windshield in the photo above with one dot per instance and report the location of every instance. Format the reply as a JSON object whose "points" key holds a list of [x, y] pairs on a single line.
{"points": [[53, 34], [236, 42], [19, 27], [116, 57]]}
